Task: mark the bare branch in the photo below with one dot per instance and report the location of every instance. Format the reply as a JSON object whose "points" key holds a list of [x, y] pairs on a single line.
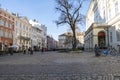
{"points": [[69, 15], [59, 9], [76, 18], [77, 9]]}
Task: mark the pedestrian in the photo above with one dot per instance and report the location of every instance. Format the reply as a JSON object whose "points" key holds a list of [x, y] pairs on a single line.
{"points": [[24, 51], [42, 49], [31, 51], [11, 49], [96, 50]]}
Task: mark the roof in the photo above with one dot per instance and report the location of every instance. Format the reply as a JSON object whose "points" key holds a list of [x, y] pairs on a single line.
{"points": [[62, 35], [35, 24]]}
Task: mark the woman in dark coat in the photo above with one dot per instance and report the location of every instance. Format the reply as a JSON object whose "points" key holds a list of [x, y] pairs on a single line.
{"points": [[96, 49]]}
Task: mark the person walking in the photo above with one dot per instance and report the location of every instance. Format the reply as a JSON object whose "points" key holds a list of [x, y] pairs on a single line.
{"points": [[31, 51], [24, 51], [11, 49], [42, 49], [96, 50]]}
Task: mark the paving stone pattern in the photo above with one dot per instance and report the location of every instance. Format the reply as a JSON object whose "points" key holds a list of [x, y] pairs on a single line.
{"points": [[63, 76], [59, 66]]}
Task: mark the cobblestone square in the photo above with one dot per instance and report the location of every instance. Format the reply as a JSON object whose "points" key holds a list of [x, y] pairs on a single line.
{"points": [[59, 66]]}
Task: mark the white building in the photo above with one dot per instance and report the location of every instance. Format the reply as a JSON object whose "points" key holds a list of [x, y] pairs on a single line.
{"points": [[65, 40], [39, 34], [62, 41], [80, 38], [36, 37], [44, 36], [52, 44], [103, 24], [22, 32]]}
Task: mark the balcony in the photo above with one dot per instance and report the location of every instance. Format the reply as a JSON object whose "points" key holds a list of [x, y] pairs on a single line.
{"points": [[24, 38]]}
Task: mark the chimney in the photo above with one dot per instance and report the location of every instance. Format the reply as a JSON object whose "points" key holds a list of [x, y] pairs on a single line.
{"points": [[34, 20]]}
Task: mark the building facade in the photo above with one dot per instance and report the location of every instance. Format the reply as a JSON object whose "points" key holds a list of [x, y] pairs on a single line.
{"points": [[36, 37], [52, 44], [39, 34], [44, 35], [102, 24], [6, 29], [22, 32], [80, 38], [65, 40], [61, 39]]}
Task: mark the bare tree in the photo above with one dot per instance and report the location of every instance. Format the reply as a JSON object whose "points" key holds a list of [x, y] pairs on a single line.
{"points": [[70, 14]]}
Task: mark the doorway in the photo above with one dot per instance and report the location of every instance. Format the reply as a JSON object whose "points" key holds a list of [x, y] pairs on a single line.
{"points": [[101, 40]]}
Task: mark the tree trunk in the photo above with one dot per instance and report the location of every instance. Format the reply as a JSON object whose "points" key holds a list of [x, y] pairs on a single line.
{"points": [[74, 39]]}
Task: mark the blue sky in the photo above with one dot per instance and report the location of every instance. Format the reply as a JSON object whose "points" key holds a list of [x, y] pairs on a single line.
{"points": [[42, 10]]}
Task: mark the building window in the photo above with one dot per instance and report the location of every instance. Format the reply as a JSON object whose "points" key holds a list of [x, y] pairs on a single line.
{"points": [[10, 25], [10, 34], [96, 16], [20, 25], [111, 37], [16, 23], [1, 22], [6, 24], [104, 15], [118, 33], [0, 45], [5, 33], [109, 13], [24, 27], [0, 32], [116, 7]]}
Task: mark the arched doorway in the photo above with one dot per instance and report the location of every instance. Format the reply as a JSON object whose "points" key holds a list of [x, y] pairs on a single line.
{"points": [[101, 40]]}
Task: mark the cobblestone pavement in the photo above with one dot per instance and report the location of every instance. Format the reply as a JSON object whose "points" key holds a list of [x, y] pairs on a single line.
{"points": [[59, 66]]}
